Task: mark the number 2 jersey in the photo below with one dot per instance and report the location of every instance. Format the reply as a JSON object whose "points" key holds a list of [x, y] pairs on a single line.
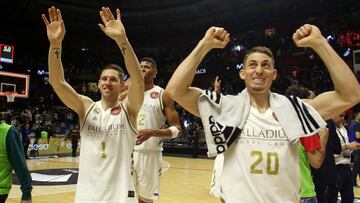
{"points": [[105, 170], [151, 116]]}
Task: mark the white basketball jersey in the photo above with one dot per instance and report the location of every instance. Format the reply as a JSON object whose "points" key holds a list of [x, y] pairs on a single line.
{"points": [[105, 168], [151, 116], [262, 166]]}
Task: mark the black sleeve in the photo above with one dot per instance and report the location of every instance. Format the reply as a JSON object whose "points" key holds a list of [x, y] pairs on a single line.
{"points": [[16, 156]]}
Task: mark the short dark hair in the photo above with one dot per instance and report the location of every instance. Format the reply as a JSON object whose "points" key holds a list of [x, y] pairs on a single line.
{"points": [[259, 49], [116, 68], [298, 91], [149, 59]]}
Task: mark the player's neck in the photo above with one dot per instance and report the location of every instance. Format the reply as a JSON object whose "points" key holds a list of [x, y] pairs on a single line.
{"points": [[149, 85], [108, 103], [260, 102]]}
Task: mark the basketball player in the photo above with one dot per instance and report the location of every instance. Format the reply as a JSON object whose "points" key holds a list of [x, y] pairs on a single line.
{"points": [[258, 131], [108, 127], [12, 158], [157, 108]]}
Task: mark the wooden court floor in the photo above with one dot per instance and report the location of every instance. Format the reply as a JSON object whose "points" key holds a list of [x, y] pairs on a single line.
{"points": [[184, 180]]}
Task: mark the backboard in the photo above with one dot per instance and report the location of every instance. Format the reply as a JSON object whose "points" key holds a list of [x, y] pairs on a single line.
{"points": [[14, 82]]}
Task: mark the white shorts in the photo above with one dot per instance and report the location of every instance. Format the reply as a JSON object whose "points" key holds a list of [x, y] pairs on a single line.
{"points": [[215, 187], [147, 168]]}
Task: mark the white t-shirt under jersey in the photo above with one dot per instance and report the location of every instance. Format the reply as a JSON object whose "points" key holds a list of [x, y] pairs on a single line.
{"points": [[107, 142], [262, 166], [151, 116]]}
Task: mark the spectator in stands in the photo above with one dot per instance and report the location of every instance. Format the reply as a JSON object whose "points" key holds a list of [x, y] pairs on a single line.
{"points": [[37, 128], [354, 135], [74, 136], [344, 176], [26, 133], [194, 138]]}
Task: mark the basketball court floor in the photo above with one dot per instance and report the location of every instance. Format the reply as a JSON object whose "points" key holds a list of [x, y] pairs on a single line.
{"points": [[183, 180]]}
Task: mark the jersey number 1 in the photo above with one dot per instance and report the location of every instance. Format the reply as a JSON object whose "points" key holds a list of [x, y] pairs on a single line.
{"points": [[103, 150]]}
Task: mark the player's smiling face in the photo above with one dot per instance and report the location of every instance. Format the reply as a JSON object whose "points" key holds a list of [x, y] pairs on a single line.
{"points": [[258, 72], [110, 83]]}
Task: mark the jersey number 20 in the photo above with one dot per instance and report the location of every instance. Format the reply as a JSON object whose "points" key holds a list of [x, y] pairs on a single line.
{"points": [[272, 163]]}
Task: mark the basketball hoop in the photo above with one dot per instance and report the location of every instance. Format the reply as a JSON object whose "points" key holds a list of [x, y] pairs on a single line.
{"points": [[10, 96]]}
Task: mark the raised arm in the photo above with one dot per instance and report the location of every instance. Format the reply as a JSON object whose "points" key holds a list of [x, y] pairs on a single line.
{"points": [[56, 32], [179, 86], [115, 29], [347, 88], [172, 117]]}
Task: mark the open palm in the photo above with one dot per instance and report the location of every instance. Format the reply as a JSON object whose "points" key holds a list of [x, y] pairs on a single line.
{"points": [[55, 28], [112, 27], [56, 31]]}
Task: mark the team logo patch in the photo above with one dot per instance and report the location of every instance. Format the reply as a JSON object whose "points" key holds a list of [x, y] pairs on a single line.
{"points": [[115, 111], [154, 95]]}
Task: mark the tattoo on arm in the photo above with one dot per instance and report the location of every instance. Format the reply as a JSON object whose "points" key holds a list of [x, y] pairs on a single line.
{"points": [[123, 48], [56, 52]]}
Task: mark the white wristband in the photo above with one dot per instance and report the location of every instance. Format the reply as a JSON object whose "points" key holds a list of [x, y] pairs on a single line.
{"points": [[174, 131]]}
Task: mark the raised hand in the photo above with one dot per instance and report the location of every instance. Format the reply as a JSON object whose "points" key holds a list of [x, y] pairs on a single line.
{"points": [[217, 85], [308, 36], [112, 27], [216, 37], [56, 28]]}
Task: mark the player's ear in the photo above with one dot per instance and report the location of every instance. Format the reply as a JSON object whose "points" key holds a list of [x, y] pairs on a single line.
{"points": [[274, 74], [242, 74]]}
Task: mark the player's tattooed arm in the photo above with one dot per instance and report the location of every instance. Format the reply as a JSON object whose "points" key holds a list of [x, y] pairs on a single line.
{"points": [[123, 48], [57, 52]]}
